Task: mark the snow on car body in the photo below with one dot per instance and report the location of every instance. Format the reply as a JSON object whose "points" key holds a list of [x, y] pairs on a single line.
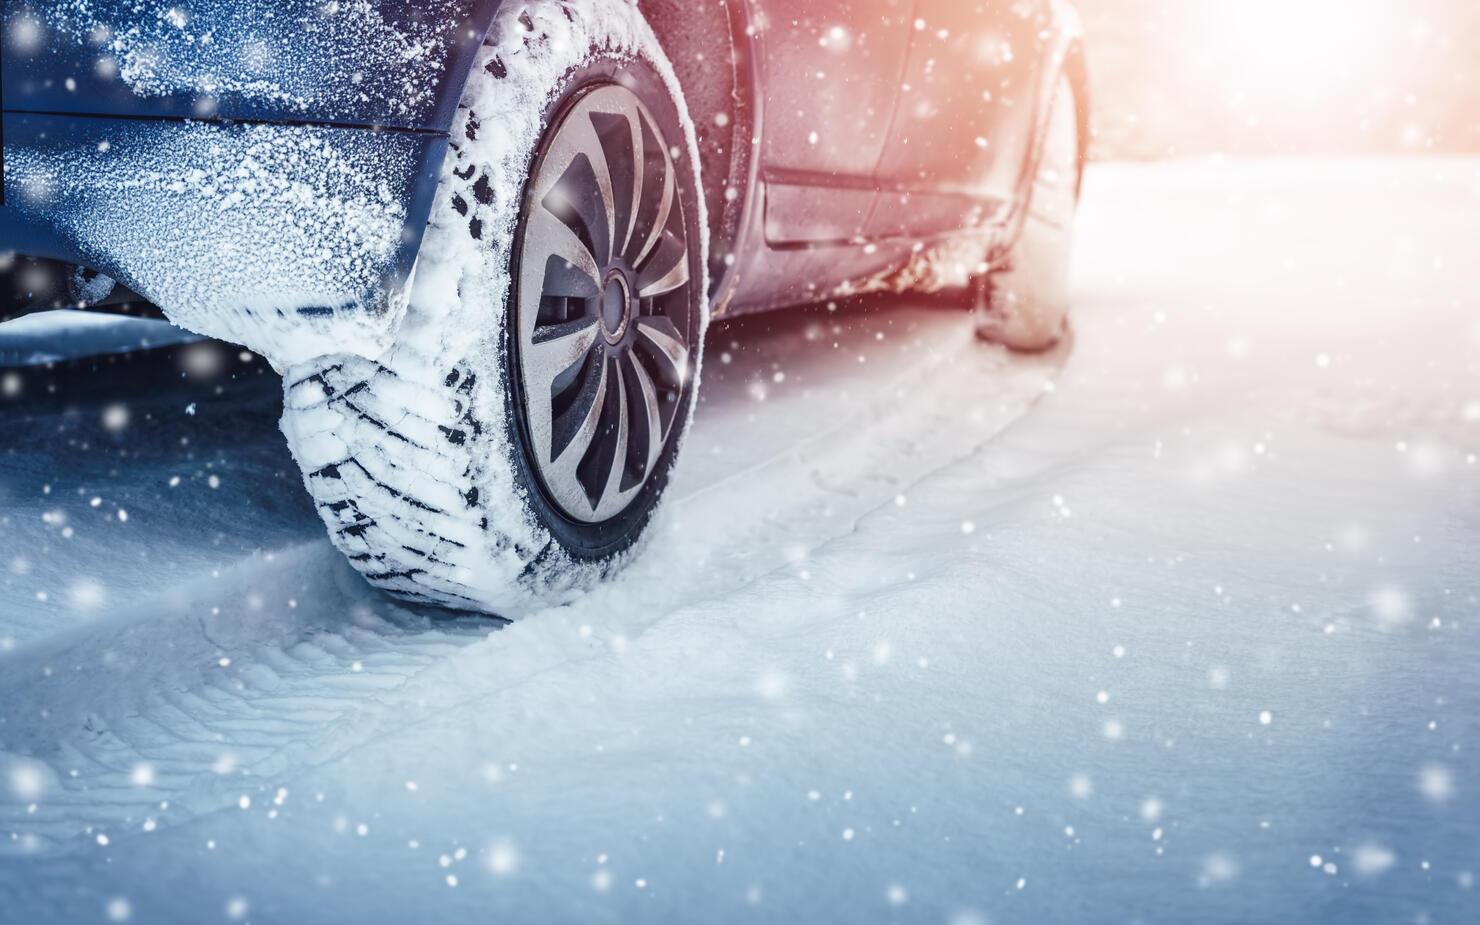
{"points": [[490, 368]]}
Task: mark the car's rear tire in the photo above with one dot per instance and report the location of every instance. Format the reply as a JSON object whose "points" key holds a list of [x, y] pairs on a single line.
{"points": [[1023, 302], [513, 444]]}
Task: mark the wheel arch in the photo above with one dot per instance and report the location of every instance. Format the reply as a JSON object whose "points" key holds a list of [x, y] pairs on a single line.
{"points": [[1064, 58], [708, 47]]}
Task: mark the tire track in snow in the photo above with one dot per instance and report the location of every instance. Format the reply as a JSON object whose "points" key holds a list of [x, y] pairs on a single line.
{"points": [[231, 687]]}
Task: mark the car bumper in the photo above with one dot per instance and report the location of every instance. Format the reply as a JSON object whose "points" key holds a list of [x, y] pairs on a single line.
{"points": [[295, 241]]}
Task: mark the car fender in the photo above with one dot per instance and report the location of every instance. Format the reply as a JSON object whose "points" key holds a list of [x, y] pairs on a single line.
{"points": [[249, 166], [397, 65], [1064, 58]]}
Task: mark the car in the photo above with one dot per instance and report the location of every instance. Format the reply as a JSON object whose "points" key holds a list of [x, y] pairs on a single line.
{"points": [[482, 240]]}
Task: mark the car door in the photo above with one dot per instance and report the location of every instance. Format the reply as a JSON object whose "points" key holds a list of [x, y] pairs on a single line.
{"points": [[830, 77], [964, 118]]}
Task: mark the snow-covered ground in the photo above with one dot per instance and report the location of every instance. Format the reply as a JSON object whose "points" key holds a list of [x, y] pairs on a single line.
{"points": [[1177, 624], [55, 336]]}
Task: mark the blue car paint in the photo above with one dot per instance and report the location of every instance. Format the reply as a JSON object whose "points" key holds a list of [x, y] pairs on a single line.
{"points": [[244, 60], [306, 84], [229, 227], [75, 74]]}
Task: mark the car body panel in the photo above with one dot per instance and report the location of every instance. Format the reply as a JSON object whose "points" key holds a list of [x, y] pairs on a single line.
{"points": [[830, 73], [802, 213], [352, 63], [829, 78], [967, 115], [925, 228], [851, 212], [291, 240]]}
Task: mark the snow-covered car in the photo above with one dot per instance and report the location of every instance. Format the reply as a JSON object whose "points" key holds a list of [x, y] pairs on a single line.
{"points": [[482, 240]]}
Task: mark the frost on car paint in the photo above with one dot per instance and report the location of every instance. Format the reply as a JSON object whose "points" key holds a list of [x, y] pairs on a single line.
{"points": [[232, 230], [349, 60], [426, 379]]}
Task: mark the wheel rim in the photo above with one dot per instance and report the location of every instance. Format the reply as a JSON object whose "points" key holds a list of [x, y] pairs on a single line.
{"points": [[603, 305]]}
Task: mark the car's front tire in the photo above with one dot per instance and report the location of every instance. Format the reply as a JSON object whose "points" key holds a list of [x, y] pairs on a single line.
{"points": [[1024, 301], [513, 444]]}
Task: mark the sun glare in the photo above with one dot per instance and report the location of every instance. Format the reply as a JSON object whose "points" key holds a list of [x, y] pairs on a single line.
{"points": [[1300, 50]]}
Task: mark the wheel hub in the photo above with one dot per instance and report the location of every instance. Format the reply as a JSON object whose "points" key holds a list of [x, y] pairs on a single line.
{"points": [[616, 307]]}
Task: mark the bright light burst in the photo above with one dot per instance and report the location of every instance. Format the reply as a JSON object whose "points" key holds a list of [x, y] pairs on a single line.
{"points": [[1300, 49]]}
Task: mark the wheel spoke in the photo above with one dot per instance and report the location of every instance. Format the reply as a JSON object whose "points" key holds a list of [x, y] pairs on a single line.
{"points": [[556, 347], [565, 280], [578, 144], [619, 457], [545, 235], [639, 178], [654, 415], [661, 333], [571, 441], [668, 269], [651, 234], [621, 141]]}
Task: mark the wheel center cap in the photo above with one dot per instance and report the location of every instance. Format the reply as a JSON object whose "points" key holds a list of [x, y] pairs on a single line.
{"points": [[616, 307]]}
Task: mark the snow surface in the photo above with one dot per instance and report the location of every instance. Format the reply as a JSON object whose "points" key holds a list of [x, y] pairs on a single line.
{"points": [[54, 336], [1177, 625]]}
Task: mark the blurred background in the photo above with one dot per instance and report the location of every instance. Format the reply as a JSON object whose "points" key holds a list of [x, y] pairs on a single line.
{"points": [[1275, 77]]}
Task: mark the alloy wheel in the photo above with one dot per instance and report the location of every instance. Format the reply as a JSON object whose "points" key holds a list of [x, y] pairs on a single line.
{"points": [[603, 304]]}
